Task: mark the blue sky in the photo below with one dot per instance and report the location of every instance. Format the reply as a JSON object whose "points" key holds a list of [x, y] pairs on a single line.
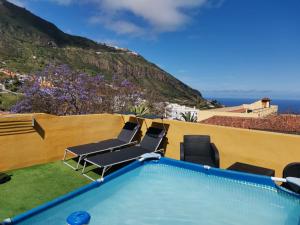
{"points": [[224, 48]]}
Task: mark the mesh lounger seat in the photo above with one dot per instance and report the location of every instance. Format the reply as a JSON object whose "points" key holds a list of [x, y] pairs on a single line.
{"points": [[150, 143], [124, 139]]}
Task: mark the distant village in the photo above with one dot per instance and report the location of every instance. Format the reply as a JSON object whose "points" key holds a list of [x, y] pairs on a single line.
{"points": [[123, 50], [8, 77]]}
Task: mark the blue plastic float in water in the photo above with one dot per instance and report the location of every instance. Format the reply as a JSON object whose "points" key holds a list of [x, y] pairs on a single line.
{"points": [[79, 218]]}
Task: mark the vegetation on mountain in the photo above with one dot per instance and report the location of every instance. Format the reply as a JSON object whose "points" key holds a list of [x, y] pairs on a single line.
{"points": [[59, 90], [28, 43], [7, 100]]}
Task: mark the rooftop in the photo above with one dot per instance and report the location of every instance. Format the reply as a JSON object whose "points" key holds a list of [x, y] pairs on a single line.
{"points": [[32, 146], [276, 123]]}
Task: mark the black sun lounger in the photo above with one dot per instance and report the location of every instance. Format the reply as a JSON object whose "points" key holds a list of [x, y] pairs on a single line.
{"points": [[149, 144], [124, 139]]}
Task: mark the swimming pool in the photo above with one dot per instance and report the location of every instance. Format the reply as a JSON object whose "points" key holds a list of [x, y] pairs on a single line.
{"points": [[167, 192]]}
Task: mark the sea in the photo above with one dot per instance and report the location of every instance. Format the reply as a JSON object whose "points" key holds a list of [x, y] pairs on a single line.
{"points": [[284, 106]]}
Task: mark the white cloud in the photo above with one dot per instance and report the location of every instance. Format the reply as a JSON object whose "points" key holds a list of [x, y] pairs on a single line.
{"points": [[147, 17], [182, 71], [161, 15], [125, 27], [119, 26], [63, 2]]}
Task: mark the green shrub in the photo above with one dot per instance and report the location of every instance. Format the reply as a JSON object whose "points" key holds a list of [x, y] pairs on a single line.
{"points": [[7, 100]]}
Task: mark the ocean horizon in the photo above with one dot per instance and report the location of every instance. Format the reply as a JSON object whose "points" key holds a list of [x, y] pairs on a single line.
{"points": [[284, 105]]}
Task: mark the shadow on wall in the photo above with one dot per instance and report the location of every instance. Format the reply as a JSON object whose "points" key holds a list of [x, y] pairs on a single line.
{"points": [[165, 127], [38, 128], [140, 121], [16, 127]]}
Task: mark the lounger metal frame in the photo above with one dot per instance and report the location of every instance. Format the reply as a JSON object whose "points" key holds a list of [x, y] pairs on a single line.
{"points": [[82, 156], [107, 167]]}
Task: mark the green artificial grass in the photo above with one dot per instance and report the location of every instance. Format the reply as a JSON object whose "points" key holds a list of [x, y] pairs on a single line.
{"points": [[32, 186]]}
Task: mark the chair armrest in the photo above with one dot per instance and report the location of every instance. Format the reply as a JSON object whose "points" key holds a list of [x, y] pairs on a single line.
{"points": [[181, 151], [216, 155], [133, 143], [160, 151]]}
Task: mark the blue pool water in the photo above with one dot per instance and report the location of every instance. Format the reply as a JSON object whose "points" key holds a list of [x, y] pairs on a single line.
{"points": [[162, 194]]}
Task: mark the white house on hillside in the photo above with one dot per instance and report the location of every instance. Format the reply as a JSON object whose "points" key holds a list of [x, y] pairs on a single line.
{"points": [[174, 111], [2, 87]]}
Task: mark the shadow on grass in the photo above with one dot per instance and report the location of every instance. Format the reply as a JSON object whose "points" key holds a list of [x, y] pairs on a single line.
{"points": [[96, 172]]}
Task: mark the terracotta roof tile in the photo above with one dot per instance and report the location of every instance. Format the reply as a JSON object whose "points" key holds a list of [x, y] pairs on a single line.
{"points": [[275, 123]]}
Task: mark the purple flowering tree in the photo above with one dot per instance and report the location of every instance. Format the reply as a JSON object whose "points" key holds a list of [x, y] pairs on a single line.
{"points": [[59, 90], [126, 94]]}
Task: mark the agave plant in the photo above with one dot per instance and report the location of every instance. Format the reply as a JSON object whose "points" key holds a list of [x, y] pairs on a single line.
{"points": [[140, 110], [189, 117]]}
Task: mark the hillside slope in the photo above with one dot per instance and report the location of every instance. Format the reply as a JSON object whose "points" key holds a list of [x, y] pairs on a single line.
{"points": [[28, 43]]}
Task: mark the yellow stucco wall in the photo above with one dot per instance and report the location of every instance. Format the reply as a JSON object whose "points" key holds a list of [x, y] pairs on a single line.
{"points": [[267, 149], [21, 149], [260, 148]]}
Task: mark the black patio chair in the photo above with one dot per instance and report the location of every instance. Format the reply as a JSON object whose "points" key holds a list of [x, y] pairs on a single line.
{"points": [[291, 170], [198, 149]]}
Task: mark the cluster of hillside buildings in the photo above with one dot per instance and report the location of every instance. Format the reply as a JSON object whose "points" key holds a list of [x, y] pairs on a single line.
{"points": [[10, 76], [124, 50]]}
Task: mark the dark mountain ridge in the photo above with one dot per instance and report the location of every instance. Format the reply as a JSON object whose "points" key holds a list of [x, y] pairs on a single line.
{"points": [[28, 43]]}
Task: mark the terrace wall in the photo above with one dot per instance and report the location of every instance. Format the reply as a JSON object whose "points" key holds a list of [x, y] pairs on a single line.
{"points": [[267, 149], [272, 150], [22, 146]]}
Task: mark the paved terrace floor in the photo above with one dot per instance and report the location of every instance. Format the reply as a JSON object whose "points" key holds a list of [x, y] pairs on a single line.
{"points": [[32, 186]]}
